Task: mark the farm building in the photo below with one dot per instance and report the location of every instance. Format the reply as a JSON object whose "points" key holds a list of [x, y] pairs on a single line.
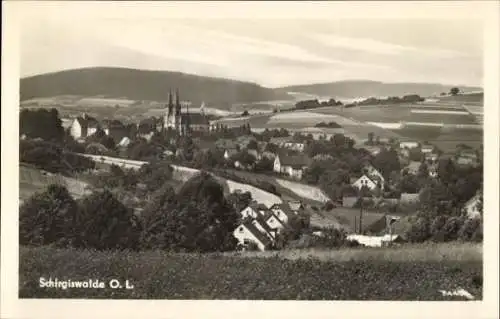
{"points": [[408, 144], [287, 142], [365, 181], [248, 233], [283, 212], [292, 166], [83, 126]]}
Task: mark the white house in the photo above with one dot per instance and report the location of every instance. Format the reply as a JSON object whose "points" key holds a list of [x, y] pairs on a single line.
{"points": [[247, 233], [249, 211], [275, 224], [408, 144], [471, 206], [427, 149], [364, 181], [374, 173], [283, 212], [83, 126], [292, 166]]}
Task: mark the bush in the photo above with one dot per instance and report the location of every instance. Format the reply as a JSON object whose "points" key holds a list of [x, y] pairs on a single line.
{"points": [[470, 230], [105, 223], [49, 217]]}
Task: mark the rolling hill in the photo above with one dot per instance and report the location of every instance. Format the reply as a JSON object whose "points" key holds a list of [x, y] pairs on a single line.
{"points": [[363, 89], [133, 84]]}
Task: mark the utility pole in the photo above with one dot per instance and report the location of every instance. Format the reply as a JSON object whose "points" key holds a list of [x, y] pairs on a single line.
{"points": [[361, 215]]}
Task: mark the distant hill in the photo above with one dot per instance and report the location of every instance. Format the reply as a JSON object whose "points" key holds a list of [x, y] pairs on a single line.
{"points": [[364, 89], [464, 98], [144, 85]]}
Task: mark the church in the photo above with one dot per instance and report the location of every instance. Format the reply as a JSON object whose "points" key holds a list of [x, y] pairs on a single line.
{"points": [[183, 123]]}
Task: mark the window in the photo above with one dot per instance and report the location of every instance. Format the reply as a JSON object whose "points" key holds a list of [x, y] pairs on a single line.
{"points": [[246, 241], [241, 229]]}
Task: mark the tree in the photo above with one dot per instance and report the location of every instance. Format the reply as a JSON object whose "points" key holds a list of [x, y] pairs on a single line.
{"points": [[239, 200], [200, 220], [49, 217], [387, 161], [245, 113], [41, 123], [454, 91], [264, 165], [106, 223], [252, 145], [419, 231]]}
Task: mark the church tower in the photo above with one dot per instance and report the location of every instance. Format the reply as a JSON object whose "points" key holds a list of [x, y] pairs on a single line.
{"points": [[169, 118], [178, 112]]}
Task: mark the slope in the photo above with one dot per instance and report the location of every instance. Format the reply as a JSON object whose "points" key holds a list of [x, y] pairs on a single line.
{"points": [[136, 84], [361, 88]]}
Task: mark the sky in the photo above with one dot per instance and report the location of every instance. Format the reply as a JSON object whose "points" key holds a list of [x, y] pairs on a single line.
{"points": [[272, 52]]}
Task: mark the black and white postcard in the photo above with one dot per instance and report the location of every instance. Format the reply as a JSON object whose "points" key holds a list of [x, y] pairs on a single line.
{"points": [[272, 159]]}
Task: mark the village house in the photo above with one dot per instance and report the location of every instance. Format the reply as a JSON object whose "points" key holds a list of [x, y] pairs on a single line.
{"points": [[365, 181], [471, 206], [466, 161], [431, 157], [268, 155], [83, 126], [412, 168], [248, 233], [370, 170], [292, 166], [275, 224], [409, 198], [283, 212], [408, 145], [288, 143], [427, 149]]}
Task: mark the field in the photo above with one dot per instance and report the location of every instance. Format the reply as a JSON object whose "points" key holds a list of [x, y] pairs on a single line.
{"points": [[32, 180], [288, 190], [373, 275]]}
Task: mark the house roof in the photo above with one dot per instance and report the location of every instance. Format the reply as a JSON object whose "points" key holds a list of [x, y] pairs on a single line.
{"points": [[297, 161], [472, 199], [413, 166], [295, 205], [248, 224], [271, 215], [285, 207]]}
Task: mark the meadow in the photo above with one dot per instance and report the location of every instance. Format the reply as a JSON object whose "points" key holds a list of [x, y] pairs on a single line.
{"points": [[403, 273]]}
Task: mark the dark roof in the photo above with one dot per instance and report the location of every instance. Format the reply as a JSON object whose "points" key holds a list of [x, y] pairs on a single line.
{"points": [[260, 236], [297, 161], [285, 208]]}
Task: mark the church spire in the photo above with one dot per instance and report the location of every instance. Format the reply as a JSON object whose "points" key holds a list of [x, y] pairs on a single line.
{"points": [[170, 103], [177, 103]]}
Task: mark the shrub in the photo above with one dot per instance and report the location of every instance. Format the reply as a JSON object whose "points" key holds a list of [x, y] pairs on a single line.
{"points": [[49, 217], [469, 229], [106, 223]]}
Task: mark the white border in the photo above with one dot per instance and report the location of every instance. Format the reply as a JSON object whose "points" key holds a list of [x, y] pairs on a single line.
{"points": [[12, 307]]}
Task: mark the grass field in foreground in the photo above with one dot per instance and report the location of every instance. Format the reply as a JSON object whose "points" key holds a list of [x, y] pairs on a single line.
{"points": [[160, 275]]}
